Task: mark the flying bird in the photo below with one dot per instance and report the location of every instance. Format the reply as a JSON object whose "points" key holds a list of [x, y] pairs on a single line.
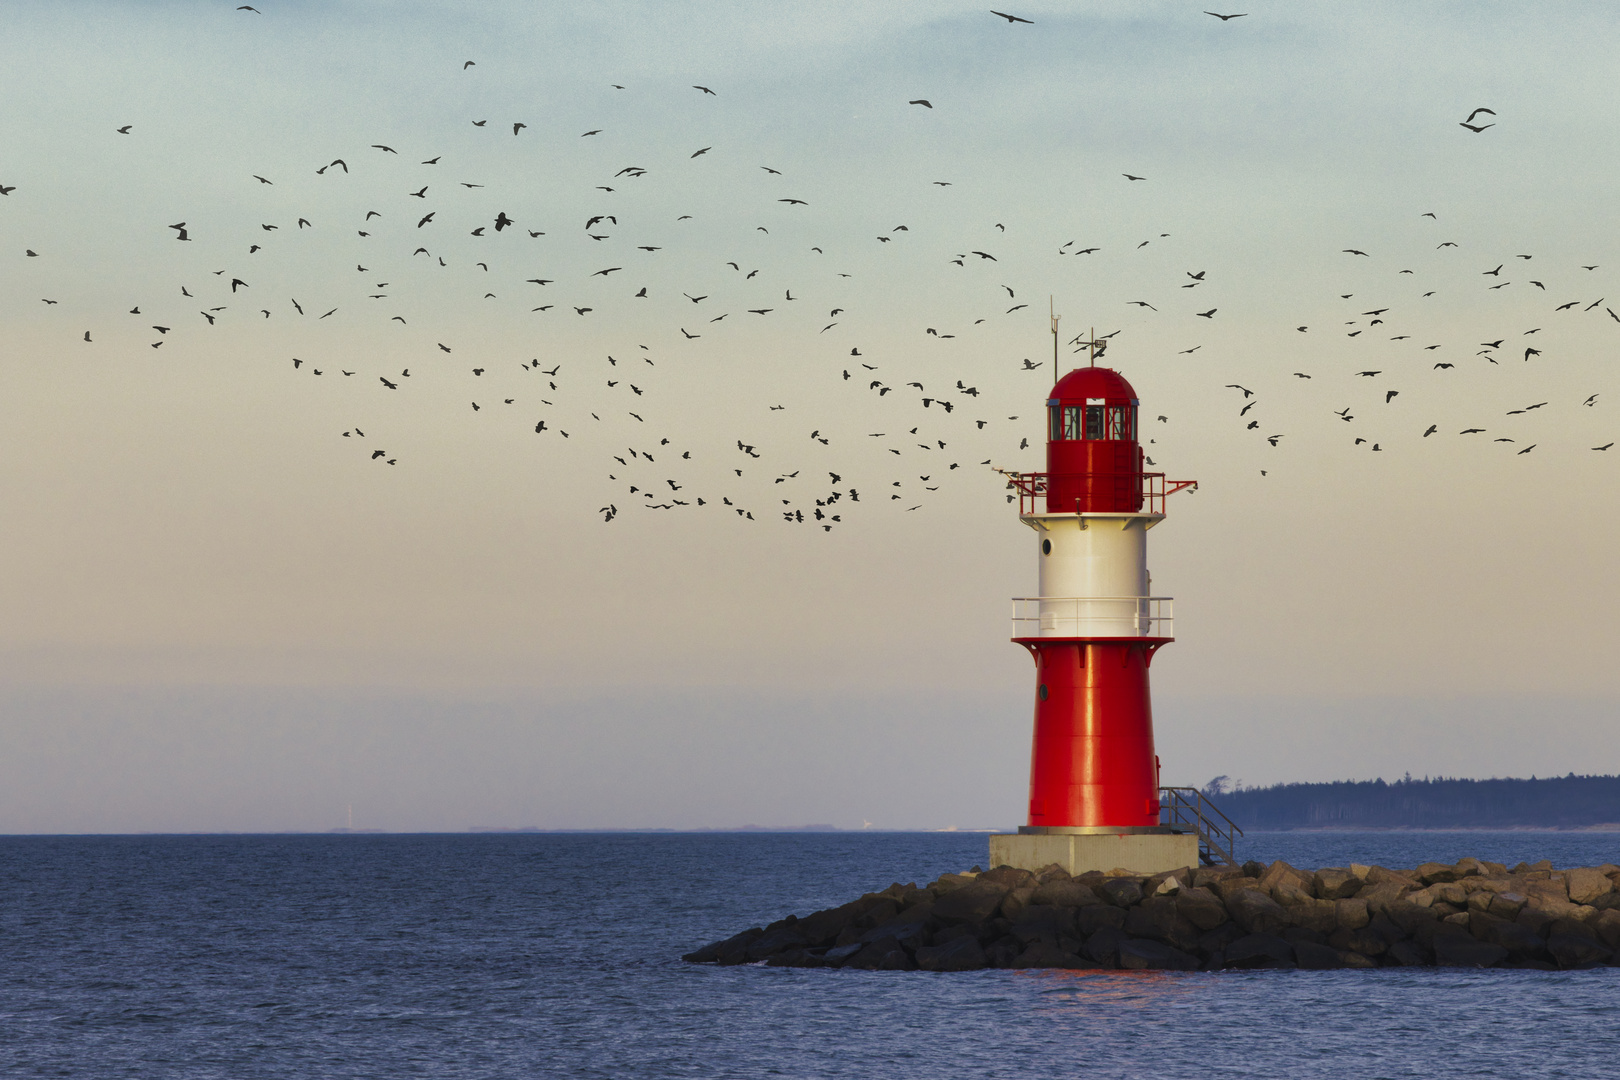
{"points": [[1010, 18], [921, 101], [1227, 18]]}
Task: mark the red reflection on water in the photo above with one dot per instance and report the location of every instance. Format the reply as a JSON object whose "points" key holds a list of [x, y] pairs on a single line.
{"points": [[1142, 989]]}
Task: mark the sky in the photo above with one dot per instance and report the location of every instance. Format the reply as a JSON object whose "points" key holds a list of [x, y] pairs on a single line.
{"points": [[257, 577]]}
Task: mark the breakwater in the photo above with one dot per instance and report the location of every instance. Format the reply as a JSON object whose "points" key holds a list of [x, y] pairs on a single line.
{"points": [[1468, 914]]}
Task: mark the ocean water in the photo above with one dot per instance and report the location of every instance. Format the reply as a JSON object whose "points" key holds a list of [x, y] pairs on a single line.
{"points": [[535, 955]]}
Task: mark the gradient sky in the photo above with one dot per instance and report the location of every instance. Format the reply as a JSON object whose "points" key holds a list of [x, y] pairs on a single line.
{"points": [[217, 611]]}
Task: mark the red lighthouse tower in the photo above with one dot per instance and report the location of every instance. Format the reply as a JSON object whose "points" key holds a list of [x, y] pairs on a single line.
{"points": [[1093, 632]]}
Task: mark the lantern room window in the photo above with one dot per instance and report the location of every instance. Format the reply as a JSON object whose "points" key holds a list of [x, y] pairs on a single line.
{"points": [[1092, 421]]}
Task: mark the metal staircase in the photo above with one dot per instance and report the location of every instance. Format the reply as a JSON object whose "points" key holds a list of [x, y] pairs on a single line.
{"points": [[1187, 809]]}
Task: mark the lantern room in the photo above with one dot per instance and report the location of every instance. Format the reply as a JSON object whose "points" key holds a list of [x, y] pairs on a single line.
{"points": [[1093, 461]]}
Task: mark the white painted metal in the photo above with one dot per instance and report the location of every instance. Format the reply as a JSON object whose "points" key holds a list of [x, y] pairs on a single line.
{"points": [[1093, 616], [1094, 580]]}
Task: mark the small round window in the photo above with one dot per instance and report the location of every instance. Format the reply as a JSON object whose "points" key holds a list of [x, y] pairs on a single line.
{"points": [[1042, 691], [1046, 547]]}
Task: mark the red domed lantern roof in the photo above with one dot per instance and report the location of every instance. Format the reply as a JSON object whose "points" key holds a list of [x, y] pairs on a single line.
{"points": [[1093, 383]]}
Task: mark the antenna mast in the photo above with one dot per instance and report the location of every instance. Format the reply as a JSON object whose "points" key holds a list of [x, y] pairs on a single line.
{"points": [[1053, 313]]}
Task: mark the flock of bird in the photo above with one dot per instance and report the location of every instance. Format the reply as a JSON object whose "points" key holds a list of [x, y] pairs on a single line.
{"points": [[629, 398]]}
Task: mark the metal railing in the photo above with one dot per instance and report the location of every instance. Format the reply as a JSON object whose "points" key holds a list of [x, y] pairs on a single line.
{"points": [[1153, 488], [1217, 834], [1093, 616]]}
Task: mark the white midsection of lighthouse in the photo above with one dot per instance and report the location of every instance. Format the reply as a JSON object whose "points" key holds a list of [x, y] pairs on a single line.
{"points": [[1094, 580]]}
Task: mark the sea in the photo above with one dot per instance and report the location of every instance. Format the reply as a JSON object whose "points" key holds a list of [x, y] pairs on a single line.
{"points": [[517, 955]]}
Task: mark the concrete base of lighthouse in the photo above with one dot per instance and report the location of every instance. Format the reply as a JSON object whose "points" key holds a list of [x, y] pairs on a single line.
{"points": [[1081, 852]]}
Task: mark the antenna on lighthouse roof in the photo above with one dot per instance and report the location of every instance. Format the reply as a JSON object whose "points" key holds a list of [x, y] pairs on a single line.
{"points": [[1092, 345], [1053, 313]]}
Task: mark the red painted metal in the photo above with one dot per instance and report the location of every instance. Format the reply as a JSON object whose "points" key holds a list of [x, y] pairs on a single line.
{"points": [[1093, 461], [1093, 762]]}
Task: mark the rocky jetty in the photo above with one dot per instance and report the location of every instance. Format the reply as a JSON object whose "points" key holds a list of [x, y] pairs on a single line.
{"points": [[1471, 914]]}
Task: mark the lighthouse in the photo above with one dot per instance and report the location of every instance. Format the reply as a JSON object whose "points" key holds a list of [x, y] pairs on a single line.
{"points": [[1093, 631]]}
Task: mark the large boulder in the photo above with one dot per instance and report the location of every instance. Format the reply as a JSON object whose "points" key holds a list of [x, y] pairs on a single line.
{"points": [[1507, 905], [1574, 949], [1521, 943], [823, 927], [1321, 916], [732, 950], [1010, 876], [1065, 893], [1121, 891], [1256, 912], [884, 954], [1103, 946], [1455, 950], [1136, 954], [1408, 916], [1313, 957], [1016, 900], [1351, 913], [1285, 884], [1432, 872], [1586, 885], [1043, 922], [1362, 939], [1049, 954], [1379, 895], [1607, 928], [1260, 951], [1157, 917], [962, 954], [1336, 883], [974, 903], [774, 941], [1378, 875], [1097, 917], [1201, 907]]}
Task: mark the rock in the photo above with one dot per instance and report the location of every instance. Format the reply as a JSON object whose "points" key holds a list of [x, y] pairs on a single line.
{"points": [[1121, 892], [1507, 905], [1361, 940], [1520, 942], [734, 950], [1205, 877], [1016, 900], [1409, 916], [1431, 872], [1259, 951], [1454, 950], [951, 882], [1157, 917], [1253, 869], [1003, 953], [1378, 875], [1607, 927], [736, 945], [1450, 893], [974, 903], [1065, 893], [1256, 912], [908, 935], [1138, 955], [1103, 946], [1313, 957], [823, 927], [839, 953], [874, 955], [1587, 885], [1043, 922], [1051, 872], [1352, 914], [1538, 921], [897, 960], [1010, 876], [1320, 916], [1088, 920], [1296, 934], [1356, 960], [1201, 907], [1336, 883], [1049, 954], [1280, 873], [1470, 868], [1407, 954], [962, 954], [1379, 895], [774, 941]]}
